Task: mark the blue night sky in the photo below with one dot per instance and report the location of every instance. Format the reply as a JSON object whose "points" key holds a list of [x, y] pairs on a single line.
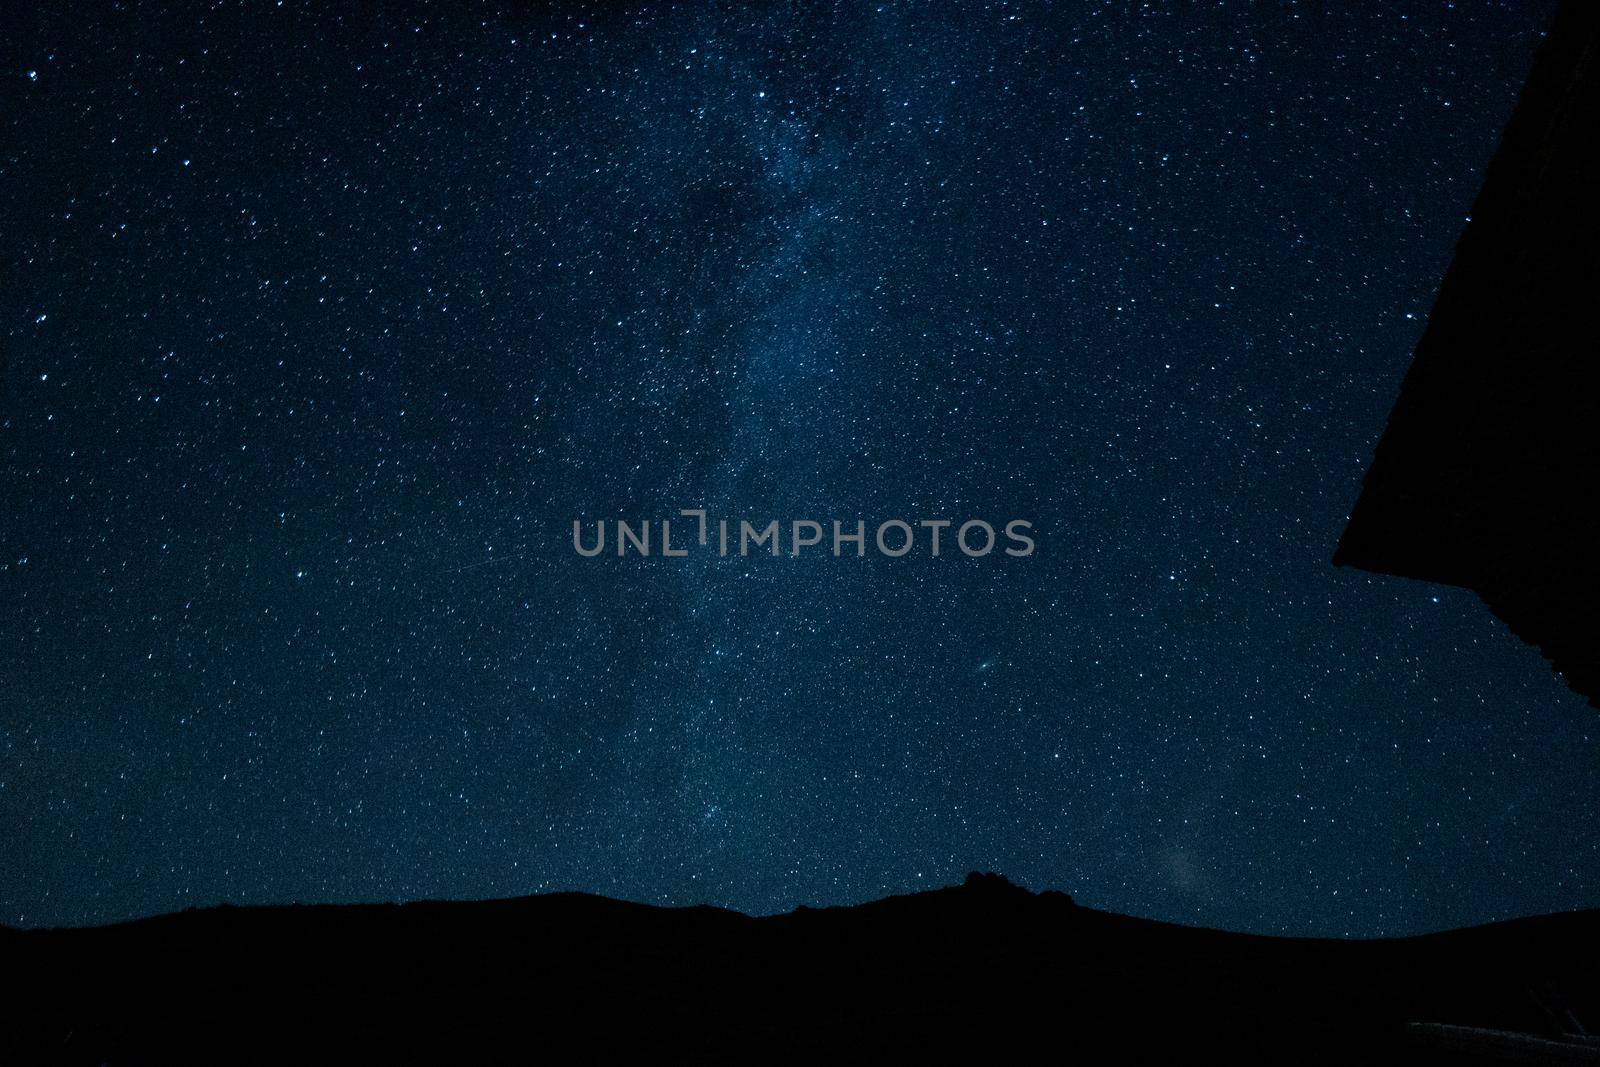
{"points": [[320, 330]]}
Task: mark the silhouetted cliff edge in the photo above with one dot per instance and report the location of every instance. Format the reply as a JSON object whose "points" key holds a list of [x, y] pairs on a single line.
{"points": [[979, 970]]}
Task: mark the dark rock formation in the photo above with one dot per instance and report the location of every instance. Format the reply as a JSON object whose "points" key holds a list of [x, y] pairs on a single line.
{"points": [[1488, 475], [987, 971]]}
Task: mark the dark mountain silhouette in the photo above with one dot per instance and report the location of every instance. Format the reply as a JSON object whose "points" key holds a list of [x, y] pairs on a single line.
{"points": [[1486, 475], [980, 970]]}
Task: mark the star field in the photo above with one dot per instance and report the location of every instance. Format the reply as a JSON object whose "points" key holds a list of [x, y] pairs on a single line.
{"points": [[320, 330]]}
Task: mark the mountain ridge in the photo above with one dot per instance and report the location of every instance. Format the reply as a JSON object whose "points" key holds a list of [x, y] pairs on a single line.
{"points": [[972, 969]]}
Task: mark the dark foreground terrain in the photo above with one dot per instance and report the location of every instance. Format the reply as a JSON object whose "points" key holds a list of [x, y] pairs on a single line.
{"points": [[981, 971]]}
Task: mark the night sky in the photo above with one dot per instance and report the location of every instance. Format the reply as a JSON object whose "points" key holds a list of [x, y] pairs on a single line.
{"points": [[320, 331]]}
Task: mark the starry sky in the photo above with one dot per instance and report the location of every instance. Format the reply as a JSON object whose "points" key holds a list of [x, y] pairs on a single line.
{"points": [[320, 330]]}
